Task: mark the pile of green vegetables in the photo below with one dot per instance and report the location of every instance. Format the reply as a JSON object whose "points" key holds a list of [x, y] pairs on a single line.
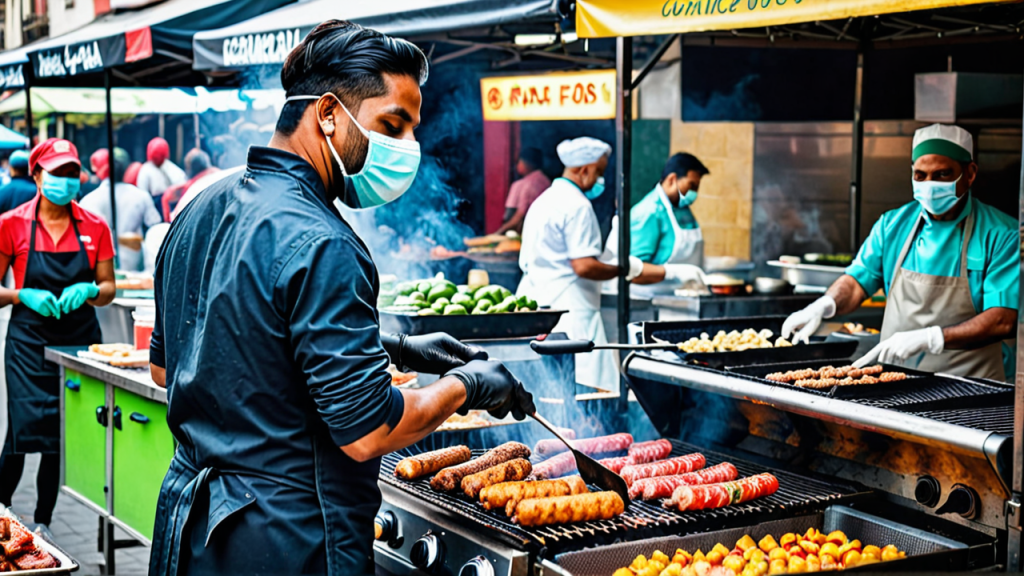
{"points": [[441, 297]]}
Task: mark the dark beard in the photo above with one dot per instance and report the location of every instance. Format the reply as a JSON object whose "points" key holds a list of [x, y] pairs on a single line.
{"points": [[354, 156]]}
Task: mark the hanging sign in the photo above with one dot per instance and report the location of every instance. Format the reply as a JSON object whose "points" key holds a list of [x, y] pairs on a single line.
{"points": [[587, 95], [602, 18]]}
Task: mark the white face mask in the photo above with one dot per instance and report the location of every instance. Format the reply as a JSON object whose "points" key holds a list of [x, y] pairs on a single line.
{"points": [[389, 170]]}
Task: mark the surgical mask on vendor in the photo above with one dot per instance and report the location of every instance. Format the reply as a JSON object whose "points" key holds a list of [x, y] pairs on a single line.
{"points": [[597, 189], [936, 197], [60, 190], [388, 171], [686, 199]]}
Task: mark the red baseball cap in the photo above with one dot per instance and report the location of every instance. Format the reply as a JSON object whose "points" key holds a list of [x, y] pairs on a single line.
{"points": [[52, 154]]}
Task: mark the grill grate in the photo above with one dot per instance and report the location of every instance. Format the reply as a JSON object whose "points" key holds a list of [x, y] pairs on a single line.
{"points": [[998, 419], [932, 390], [796, 495]]}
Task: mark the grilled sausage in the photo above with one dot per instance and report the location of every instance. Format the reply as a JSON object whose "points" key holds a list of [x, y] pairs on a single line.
{"points": [[554, 467], [421, 465], [508, 494], [566, 509], [679, 465], [615, 464], [645, 452], [510, 471], [720, 495], [664, 486], [451, 478], [589, 446]]}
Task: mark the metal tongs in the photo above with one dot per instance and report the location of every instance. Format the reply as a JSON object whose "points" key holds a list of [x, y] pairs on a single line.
{"points": [[590, 470], [582, 346]]}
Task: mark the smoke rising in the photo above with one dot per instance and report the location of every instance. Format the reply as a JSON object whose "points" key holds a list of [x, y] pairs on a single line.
{"points": [[736, 104]]}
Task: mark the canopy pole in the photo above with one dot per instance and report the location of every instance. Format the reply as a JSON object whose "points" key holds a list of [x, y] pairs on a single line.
{"points": [[110, 167], [28, 115], [653, 60], [858, 154], [1013, 506], [623, 158]]}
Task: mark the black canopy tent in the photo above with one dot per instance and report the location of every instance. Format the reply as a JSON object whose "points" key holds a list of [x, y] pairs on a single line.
{"points": [[150, 45], [268, 38]]}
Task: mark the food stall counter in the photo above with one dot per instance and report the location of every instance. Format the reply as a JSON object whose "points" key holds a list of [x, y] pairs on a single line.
{"points": [[115, 443]]}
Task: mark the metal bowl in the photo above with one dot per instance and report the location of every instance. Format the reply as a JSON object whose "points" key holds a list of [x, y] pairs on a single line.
{"points": [[763, 285]]}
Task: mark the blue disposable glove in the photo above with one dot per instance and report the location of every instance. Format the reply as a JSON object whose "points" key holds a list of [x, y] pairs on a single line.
{"points": [[43, 302], [75, 295]]}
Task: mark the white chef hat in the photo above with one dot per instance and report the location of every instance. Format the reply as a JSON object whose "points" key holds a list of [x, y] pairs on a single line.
{"points": [[582, 151], [946, 140]]}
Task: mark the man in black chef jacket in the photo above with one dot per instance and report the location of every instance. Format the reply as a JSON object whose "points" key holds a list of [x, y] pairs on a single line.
{"points": [[268, 339]]}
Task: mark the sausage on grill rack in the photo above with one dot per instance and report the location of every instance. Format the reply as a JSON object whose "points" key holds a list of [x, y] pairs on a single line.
{"points": [[672, 466], [596, 445], [451, 478], [555, 467], [709, 496], [508, 494], [427, 463], [664, 486], [510, 471], [567, 509], [615, 464], [645, 452]]}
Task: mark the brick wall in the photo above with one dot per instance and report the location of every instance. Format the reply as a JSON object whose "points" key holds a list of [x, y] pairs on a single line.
{"points": [[724, 205]]}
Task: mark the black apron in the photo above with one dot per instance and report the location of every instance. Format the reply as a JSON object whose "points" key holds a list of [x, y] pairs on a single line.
{"points": [[33, 385]]}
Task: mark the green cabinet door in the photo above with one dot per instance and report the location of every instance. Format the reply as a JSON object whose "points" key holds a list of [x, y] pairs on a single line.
{"points": [[85, 438], [143, 448]]}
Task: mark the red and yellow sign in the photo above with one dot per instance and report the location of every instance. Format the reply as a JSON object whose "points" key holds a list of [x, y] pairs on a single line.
{"points": [[602, 18], [587, 95]]}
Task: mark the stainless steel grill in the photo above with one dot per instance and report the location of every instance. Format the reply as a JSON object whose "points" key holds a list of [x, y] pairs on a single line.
{"points": [[998, 419], [796, 494]]}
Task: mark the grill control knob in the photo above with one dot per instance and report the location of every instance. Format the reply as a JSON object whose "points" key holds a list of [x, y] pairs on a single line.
{"points": [[478, 566], [385, 527], [928, 491], [962, 500], [428, 553]]}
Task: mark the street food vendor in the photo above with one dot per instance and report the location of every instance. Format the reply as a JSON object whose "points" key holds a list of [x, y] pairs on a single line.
{"points": [[267, 338], [662, 227], [63, 262], [559, 257], [948, 264], [523, 192]]}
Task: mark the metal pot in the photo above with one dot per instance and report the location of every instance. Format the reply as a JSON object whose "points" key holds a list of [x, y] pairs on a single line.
{"points": [[764, 285]]}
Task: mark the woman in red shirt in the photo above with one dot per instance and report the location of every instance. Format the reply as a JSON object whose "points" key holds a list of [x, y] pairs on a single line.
{"points": [[62, 258]]}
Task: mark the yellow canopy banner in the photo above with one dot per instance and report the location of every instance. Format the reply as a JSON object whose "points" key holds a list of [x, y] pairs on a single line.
{"points": [[587, 95], [602, 18]]}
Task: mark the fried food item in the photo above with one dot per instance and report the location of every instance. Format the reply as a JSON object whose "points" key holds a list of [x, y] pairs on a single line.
{"points": [[567, 509], [112, 350], [508, 494], [451, 478], [733, 341], [421, 465], [510, 471]]}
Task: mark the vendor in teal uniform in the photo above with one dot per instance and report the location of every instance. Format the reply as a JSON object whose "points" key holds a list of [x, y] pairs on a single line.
{"points": [[949, 266], [662, 227]]}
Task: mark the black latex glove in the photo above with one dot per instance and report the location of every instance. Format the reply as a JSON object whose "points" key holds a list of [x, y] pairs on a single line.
{"points": [[490, 386], [435, 353]]}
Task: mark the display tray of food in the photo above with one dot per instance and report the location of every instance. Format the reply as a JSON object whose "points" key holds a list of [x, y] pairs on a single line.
{"points": [[838, 539], [533, 497], [117, 355], [880, 385], [721, 342], [28, 552]]}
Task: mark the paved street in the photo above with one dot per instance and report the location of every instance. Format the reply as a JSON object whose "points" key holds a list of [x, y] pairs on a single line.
{"points": [[74, 528]]}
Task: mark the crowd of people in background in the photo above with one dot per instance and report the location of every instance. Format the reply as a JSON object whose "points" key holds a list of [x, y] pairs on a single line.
{"points": [[147, 194]]}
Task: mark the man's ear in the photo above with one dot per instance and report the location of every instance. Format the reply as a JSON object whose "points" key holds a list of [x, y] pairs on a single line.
{"points": [[325, 115], [971, 173]]}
